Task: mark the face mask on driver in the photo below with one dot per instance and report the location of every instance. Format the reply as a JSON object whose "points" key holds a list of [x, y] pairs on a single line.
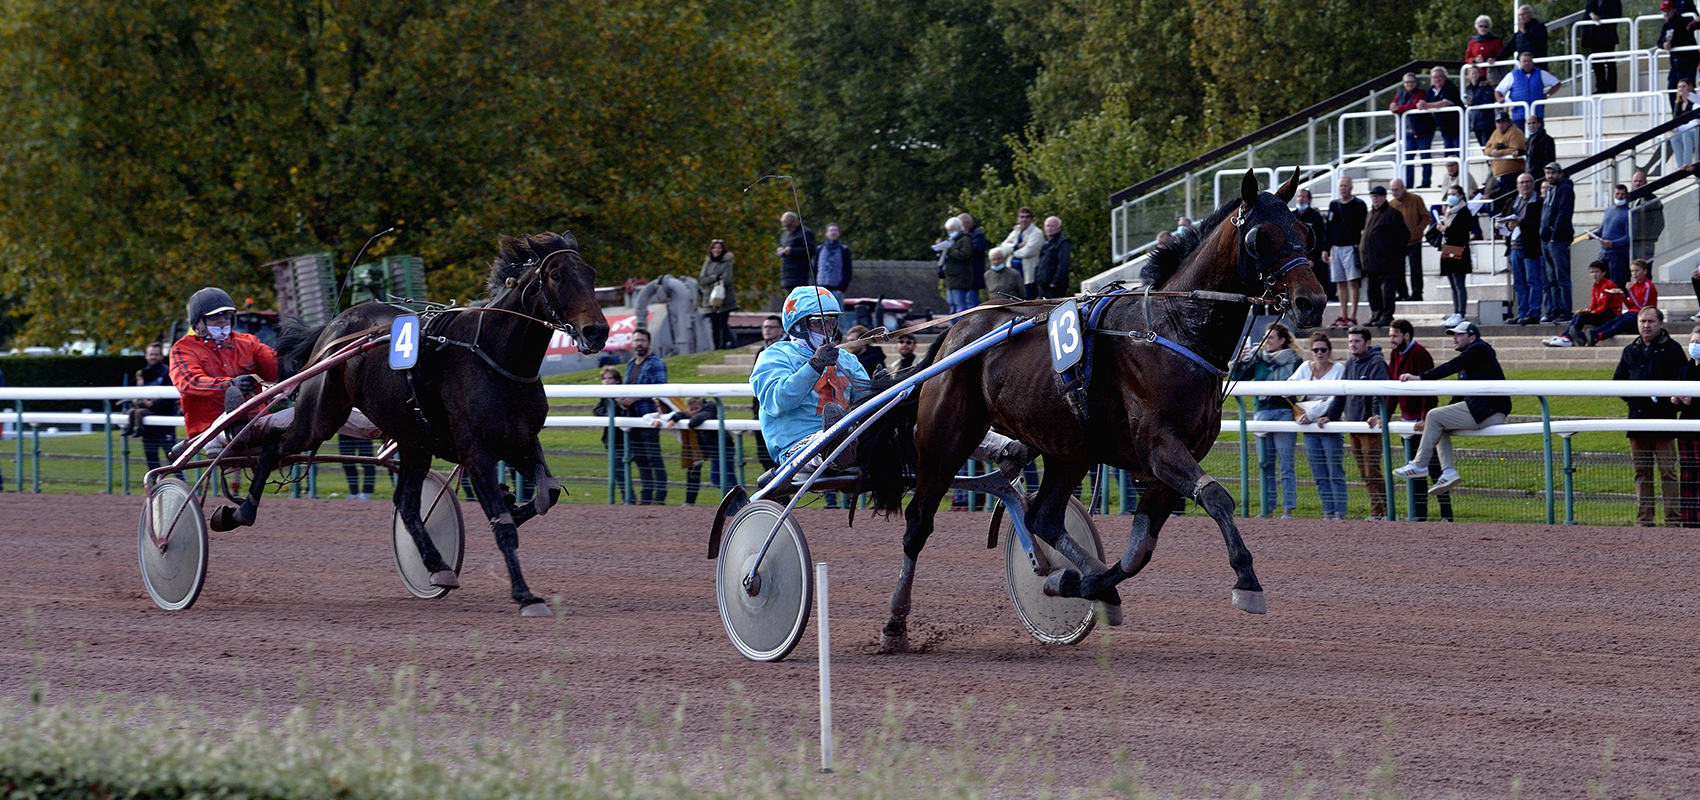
{"points": [[218, 333]]}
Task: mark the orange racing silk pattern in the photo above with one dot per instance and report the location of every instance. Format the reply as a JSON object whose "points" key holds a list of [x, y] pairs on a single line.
{"points": [[201, 370]]}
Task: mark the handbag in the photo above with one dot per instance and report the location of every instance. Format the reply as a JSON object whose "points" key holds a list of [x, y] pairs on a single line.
{"points": [[717, 296], [1452, 252]]}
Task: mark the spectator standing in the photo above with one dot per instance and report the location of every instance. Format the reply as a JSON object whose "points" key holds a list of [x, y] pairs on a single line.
{"points": [[1053, 271], [1674, 35], [1485, 46], [868, 354], [1419, 128], [1688, 444], [1453, 182], [698, 444], [1326, 451], [1003, 282], [645, 368], [796, 252], [1506, 147], [1686, 140], [610, 376], [362, 479], [1531, 35], [1454, 226], [981, 248], [1021, 249], [1613, 235], [1602, 39], [1382, 251], [1523, 251], [1411, 207], [772, 330], [715, 278], [1479, 90], [1542, 149], [1652, 357], [956, 265], [1346, 217], [1476, 361], [1557, 205], [1646, 221], [157, 440], [1363, 363], [1639, 294], [1409, 356], [1441, 93], [1525, 84], [1317, 244], [833, 269], [905, 353], [1275, 360], [1605, 303]]}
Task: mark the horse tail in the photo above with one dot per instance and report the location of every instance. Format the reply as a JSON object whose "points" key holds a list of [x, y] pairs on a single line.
{"points": [[295, 341], [886, 450]]}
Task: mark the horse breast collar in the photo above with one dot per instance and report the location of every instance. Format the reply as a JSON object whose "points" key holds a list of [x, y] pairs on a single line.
{"points": [[1075, 382]]}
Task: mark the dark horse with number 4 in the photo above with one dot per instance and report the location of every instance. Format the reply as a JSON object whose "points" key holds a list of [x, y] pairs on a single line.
{"points": [[1152, 400], [473, 398]]}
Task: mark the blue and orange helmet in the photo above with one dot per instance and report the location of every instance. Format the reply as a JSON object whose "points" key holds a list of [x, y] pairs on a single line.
{"points": [[805, 302]]}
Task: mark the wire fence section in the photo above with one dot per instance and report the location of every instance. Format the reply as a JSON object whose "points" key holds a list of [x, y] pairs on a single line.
{"points": [[1536, 467]]}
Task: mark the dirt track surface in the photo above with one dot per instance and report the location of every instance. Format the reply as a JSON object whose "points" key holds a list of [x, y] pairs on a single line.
{"points": [[1497, 651]]}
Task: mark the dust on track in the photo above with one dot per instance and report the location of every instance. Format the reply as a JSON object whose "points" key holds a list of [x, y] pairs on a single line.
{"points": [[1496, 651]]}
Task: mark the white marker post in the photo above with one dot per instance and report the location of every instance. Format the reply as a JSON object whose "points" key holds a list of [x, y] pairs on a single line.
{"points": [[825, 670]]}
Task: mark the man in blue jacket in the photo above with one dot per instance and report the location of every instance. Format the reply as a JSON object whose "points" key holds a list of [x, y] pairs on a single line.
{"points": [[1558, 203], [805, 383], [1613, 235], [833, 269]]}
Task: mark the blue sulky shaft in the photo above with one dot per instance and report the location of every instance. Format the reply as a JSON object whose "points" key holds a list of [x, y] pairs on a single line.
{"points": [[865, 414]]}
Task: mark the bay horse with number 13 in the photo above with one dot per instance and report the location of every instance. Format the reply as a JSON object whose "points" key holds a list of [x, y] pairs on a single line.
{"points": [[1153, 409], [472, 399]]}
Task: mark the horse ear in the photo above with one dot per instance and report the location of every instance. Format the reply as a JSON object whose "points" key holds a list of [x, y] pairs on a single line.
{"points": [[1289, 188], [1248, 188]]}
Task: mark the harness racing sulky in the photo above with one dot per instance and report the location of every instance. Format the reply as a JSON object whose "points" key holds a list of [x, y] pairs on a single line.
{"points": [[458, 383], [1128, 378]]}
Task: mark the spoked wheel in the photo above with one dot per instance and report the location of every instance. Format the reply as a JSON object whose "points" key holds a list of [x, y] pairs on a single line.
{"points": [[440, 510], [171, 544], [767, 619], [1052, 620]]}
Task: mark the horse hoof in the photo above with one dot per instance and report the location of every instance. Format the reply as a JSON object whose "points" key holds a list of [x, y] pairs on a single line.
{"points": [[1249, 602], [445, 579], [537, 609], [225, 519], [1063, 584], [1112, 614], [894, 644]]}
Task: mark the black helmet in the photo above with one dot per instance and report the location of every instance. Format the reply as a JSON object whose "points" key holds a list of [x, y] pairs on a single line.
{"points": [[205, 302]]}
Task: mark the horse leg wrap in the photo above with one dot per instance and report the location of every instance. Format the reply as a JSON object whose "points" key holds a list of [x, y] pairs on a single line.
{"points": [[507, 535], [1198, 488]]}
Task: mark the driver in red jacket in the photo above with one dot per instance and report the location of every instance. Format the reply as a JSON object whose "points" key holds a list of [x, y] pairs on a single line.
{"points": [[207, 361]]}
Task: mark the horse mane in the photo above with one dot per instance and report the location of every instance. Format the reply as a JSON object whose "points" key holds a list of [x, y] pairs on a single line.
{"points": [[516, 254], [1168, 259]]}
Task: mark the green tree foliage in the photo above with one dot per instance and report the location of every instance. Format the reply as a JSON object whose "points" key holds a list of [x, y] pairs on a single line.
{"points": [[149, 148], [896, 107]]}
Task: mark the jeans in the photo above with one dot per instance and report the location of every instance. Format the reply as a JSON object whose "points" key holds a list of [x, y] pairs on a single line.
{"points": [[1616, 325], [1460, 292], [1417, 146], [352, 446], [1683, 145], [1617, 265], [157, 441], [720, 322], [652, 472], [1647, 455], [1273, 448], [1414, 257], [1328, 466], [1383, 289], [1555, 256], [1529, 278], [693, 477], [1582, 320], [962, 299]]}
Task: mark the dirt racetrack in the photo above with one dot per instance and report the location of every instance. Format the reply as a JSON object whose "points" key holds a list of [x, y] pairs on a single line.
{"points": [[1497, 652]]}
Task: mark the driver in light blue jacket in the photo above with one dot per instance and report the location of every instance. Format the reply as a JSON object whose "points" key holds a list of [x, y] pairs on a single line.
{"points": [[805, 384]]}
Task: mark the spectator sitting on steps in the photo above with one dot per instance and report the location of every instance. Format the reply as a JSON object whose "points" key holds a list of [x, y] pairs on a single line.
{"points": [[1639, 294], [1604, 306]]}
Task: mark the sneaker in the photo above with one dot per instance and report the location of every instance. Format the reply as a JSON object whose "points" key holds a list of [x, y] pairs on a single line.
{"points": [[1452, 320], [1411, 470], [1448, 479], [1288, 515], [1559, 341], [1375, 519], [1695, 318]]}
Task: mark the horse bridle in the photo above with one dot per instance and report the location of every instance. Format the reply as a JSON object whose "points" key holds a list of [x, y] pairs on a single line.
{"points": [[535, 265], [1279, 300]]}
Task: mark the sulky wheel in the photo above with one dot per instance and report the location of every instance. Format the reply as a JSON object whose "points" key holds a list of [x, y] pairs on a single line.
{"points": [[767, 620], [1052, 620], [440, 510], [171, 544]]}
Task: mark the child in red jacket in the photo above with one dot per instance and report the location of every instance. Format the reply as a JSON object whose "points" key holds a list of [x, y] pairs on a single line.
{"points": [[1605, 306]]}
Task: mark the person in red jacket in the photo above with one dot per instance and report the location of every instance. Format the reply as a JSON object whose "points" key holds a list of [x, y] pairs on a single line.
{"points": [[207, 361], [1604, 305], [1405, 356], [1639, 294]]}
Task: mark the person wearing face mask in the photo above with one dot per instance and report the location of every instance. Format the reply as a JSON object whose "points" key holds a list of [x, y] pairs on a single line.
{"points": [[210, 360], [1613, 235], [1318, 241]]}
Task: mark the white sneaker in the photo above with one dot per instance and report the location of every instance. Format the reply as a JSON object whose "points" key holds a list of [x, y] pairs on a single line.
{"points": [[1448, 479], [1412, 470], [1453, 320], [1695, 318], [1559, 341]]}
